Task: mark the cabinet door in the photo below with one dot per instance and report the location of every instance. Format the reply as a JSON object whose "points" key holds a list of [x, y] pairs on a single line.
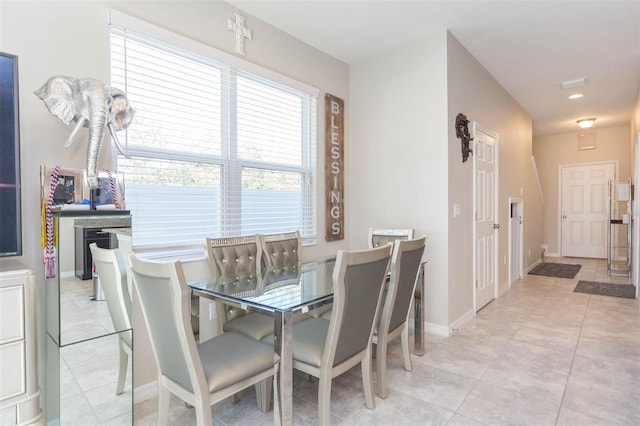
{"points": [[11, 314], [12, 370]]}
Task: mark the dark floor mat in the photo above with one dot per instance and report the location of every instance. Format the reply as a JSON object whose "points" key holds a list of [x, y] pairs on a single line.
{"points": [[606, 289], [559, 270]]}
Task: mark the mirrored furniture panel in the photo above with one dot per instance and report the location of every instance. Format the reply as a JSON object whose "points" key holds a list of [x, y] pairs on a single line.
{"points": [[83, 346]]}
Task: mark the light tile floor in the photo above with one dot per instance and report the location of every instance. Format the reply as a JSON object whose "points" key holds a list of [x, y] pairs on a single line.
{"points": [[89, 360], [539, 355]]}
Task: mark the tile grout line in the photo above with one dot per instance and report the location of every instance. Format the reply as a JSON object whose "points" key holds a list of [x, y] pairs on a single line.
{"points": [[575, 350]]}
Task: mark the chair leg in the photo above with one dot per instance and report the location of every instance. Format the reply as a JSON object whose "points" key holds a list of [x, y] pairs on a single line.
{"points": [[324, 399], [163, 404], [381, 367], [277, 416], [367, 381], [406, 353], [263, 394], [122, 373], [203, 413]]}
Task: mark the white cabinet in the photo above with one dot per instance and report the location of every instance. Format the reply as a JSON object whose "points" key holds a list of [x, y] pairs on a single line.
{"points": [[19, 393]]}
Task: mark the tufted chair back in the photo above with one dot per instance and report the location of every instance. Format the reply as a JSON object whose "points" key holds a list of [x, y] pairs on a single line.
{"points": [[235, 255], [281, 251]]}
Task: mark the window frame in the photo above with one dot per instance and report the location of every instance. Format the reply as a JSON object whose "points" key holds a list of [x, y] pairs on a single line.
{"points": [[230, 163]]}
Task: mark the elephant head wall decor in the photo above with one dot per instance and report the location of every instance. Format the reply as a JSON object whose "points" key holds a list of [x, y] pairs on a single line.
{"points": [[93, 104]]}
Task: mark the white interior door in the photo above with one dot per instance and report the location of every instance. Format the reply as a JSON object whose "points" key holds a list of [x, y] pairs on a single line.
{"points": [[583, 210], [486, 224]]}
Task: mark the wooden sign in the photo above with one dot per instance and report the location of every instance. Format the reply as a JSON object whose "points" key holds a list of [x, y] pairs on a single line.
{"points": [[334, 166]]}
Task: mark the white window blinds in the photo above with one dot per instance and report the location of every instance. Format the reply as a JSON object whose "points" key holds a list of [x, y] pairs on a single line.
{"points": [[214, 150]]}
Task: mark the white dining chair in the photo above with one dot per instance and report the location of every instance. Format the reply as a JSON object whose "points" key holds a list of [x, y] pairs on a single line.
{"points": [[199, 374], [239, 256], [281, 251], [327, 349], [112, 273], [396, 306], [381, 236]]}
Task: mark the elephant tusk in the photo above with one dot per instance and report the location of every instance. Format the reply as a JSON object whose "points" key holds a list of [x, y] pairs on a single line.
{"points": [[74, 133], [117, 141]]}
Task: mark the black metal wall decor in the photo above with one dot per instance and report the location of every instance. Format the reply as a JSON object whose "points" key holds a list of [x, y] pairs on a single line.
{"points": [[462, 132]]}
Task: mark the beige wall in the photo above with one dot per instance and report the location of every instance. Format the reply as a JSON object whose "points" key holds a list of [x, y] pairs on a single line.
{"points": [[475, 93], [404, 104], [397, 155], [612, 144], [635, 150], [72, 38]]}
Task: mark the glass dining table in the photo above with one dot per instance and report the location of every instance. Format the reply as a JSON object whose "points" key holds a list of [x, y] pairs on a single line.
{"points": [[285, 294]]}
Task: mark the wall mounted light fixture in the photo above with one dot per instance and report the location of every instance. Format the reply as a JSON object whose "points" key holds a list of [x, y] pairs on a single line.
{"points": [[585, 123]]}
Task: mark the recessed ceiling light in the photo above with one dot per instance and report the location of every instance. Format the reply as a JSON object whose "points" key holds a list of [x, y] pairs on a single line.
{"points": [[576, 96], [586, 122]]}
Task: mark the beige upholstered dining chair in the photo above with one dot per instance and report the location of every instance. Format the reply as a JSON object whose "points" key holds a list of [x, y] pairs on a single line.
{"points": [[326, 349], [199, 374], [239, 256], [282, 251], [112, 272], [381, 236], [394, 316]]}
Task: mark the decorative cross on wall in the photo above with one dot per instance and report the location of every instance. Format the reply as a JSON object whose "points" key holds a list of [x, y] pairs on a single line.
{"points": [[241, 31]]}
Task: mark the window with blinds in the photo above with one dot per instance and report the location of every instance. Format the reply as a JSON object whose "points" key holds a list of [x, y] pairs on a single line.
{"points": [[213, 150]]}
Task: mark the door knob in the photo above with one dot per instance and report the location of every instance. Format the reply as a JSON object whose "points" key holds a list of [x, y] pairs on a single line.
{"points": [[496, 226], [564, 216]]}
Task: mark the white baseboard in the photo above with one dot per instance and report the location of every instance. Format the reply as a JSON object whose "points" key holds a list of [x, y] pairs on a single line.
{"points": [[144, 392], [438, 330], [447, 331], [530, 267], [462, 320], [503, 289], [552, 255]]}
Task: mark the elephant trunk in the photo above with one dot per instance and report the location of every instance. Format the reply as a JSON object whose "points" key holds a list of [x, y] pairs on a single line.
{"points": [[97, 123]]}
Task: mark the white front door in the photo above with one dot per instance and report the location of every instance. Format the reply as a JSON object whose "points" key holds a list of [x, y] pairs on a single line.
{"points": [[485, 202], [583, 210]]}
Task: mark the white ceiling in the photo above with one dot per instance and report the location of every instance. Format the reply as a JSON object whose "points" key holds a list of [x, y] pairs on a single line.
{"points": [[528, 46]]}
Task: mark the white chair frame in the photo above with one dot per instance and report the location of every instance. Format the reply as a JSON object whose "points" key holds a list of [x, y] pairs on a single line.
{"points": [[381, 236], [394, 316], [187, 352], [112, 272], [328, 369]]}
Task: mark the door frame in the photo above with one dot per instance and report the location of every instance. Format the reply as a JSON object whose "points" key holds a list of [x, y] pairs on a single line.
{"points": [[635, 222], [477, 127], [559, 205], [520, 249]]}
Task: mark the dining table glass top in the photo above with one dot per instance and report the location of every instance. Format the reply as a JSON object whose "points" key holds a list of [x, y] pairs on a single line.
{"points": [[295, 288]]}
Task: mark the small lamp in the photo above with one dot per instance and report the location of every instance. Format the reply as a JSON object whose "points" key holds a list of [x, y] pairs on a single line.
{"points": [[585, 123]]}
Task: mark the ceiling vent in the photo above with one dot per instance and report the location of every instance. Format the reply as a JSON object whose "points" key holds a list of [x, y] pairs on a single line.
{"points": [[574, 83]]}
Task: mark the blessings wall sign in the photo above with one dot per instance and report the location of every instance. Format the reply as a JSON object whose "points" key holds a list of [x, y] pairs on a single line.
{"points": [[334, 167]]}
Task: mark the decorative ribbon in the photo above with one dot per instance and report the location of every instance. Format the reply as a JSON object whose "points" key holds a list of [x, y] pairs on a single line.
{"points": [[49, 250], [112, 187]]}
